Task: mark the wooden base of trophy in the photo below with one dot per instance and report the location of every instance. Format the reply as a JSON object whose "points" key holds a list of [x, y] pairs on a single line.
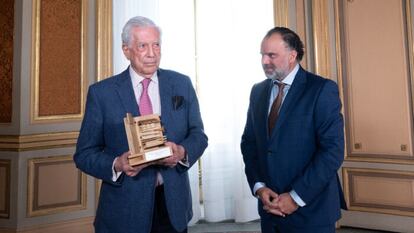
{"points": [[145, 139]]}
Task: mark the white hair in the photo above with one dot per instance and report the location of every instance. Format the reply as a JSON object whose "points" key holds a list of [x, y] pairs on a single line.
{"points": [[137, 21]]}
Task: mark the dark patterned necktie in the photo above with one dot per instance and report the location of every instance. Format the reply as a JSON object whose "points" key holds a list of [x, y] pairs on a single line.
{"points": [[274, 111]]}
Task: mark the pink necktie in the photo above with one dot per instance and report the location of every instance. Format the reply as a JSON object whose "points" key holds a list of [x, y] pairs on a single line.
{"points": [[145, 106]]}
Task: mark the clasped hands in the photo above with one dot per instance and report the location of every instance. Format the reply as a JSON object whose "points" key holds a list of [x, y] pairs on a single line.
{"points": [[122, 164], [277, 204]]}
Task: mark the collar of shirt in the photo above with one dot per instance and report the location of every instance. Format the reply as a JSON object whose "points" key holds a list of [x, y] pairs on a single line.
{"points": [[288, 80], [153, 90], [136, 78]]}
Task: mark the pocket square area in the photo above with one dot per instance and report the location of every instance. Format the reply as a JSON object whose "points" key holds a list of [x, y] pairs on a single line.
{"points": [[177, 101]]}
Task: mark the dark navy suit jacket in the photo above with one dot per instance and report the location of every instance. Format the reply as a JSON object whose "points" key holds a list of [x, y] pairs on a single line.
{"points": [[126, 205], [304, 150]]}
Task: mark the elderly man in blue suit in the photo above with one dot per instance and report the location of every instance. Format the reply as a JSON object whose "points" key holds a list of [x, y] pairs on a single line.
{"points": [[293, 142], [153, 197]]}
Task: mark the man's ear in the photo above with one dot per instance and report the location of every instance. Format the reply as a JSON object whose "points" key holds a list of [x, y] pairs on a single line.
{"points": [[292, 56], [125, 49]]}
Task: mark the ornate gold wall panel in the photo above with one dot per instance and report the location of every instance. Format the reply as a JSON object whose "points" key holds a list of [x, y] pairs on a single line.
{"points": [[5, 188], [58, 59], [38, 141], [374, 69], [379, 191], [320, 25], [6, 61], [103, 39], [55, 185]]}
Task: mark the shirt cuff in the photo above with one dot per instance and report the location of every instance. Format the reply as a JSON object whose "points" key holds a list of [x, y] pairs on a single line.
{"points": [[115, 174], [257, 186], [297, 199], [184, 161]]}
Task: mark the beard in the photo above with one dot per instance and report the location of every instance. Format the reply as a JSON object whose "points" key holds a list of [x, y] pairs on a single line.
{"points": [[274, 73]]}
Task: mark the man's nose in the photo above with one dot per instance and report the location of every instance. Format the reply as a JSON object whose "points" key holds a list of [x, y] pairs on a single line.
{"points": [[265, 59], [151, 52]]}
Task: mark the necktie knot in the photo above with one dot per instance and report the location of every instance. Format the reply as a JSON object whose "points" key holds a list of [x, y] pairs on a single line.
{"points": [[145, 83], [280, 85], [145, 105]]}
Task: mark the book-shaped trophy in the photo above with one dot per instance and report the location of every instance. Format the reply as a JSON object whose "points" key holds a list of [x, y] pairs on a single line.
{"points": [[145, 139]]}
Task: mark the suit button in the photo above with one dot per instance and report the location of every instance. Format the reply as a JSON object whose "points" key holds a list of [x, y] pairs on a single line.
{"points": [[269, 153]]}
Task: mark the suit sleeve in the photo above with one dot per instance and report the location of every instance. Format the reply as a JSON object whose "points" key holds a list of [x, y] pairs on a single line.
{"points": [[196, 140], [90, 156], [249, 149], [329, 153]]}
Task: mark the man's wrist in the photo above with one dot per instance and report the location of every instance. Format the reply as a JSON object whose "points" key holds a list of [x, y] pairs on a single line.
{"points": [[184, 160], [257, 186], [296, 198], [115, 174]]}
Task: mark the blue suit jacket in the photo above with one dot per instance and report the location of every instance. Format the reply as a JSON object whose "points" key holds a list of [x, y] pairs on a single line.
{"points": [[304, 150], [126, 205]]}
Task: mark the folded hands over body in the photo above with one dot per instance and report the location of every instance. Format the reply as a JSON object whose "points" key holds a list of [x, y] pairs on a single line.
{"points": [[277, 204]]}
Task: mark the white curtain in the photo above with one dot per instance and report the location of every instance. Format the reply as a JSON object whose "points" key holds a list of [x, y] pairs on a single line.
{"points": [[219, 40], [228, 41]]}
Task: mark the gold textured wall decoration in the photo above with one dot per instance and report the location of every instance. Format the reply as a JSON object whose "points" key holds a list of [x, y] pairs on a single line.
{"points": [[58, 60], [5, 188], [6, 61], [55, 185]]}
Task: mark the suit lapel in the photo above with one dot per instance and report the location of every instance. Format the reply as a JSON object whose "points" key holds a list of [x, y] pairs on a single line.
{"points": [[295, 91], [126, 93], [166, 94], [262, 108]]}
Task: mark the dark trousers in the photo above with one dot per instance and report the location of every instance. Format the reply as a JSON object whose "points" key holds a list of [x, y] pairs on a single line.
{"points": [[270, 227], [160, 221]]}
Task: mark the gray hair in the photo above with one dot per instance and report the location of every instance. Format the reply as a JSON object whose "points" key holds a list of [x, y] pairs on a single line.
{"points": [[137, 21]]}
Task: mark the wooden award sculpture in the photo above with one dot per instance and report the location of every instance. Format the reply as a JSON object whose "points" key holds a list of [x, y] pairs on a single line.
{"points": [[145, 139]]}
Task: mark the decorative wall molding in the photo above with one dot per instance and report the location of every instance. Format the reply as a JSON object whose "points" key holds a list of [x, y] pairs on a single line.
{"points": [[84, 225], [98, 184], [58, 80], [379, 191], [5, 180], [57, 175], [364, 142], [37, 141], [320, 20], [103, 39]]}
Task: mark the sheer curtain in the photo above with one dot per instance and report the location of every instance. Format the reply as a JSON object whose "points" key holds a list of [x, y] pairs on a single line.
{"points": [[219, 41], [228, 41]]}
